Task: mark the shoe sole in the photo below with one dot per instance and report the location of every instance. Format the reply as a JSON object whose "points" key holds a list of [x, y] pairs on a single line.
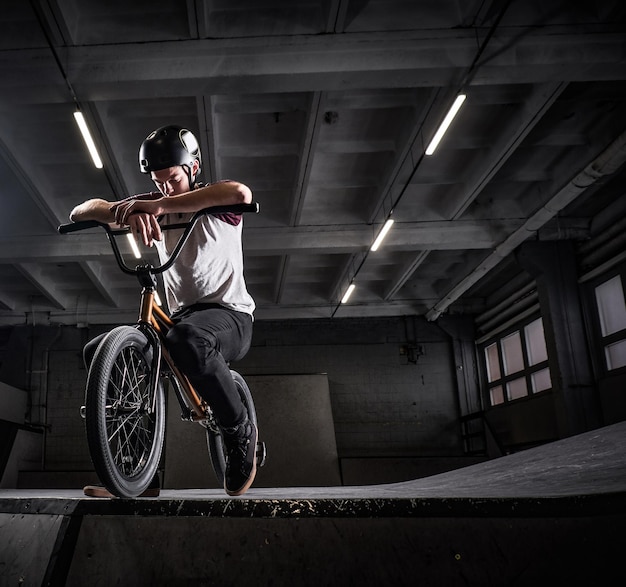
{"points": [[250, 480], [103, 493]]}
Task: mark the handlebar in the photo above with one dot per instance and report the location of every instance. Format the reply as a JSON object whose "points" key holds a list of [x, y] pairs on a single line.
{"points": [[188, 226], [81, 225]]}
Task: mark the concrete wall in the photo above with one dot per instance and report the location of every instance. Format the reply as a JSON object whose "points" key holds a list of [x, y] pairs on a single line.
{"points": [[383, 403]]}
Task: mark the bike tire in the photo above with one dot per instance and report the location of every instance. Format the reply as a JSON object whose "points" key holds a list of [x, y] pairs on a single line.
{"points": [[125, 426], [215, 441]]}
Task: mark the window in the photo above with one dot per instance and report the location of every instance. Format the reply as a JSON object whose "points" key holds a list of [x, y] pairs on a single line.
{"points": [[517, 364], [611, 309]]}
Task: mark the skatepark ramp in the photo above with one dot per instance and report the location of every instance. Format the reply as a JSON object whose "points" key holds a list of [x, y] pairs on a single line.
{"points": [[552, 514]]}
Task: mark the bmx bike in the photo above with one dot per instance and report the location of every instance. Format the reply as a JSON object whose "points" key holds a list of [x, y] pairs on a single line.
{"points": [[124, 407]]}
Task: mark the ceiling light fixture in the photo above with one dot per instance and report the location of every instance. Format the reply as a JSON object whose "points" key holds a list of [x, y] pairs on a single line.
{"points": [[133, 245], [84, 129], [446, 123], [382, 234], [348, 293]]}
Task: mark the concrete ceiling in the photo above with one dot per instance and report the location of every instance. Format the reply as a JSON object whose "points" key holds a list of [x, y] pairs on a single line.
{"points": [[324, 108]]}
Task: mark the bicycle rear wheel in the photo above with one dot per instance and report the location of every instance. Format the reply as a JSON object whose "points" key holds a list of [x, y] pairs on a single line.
{"points": [[125, 422], [215, 441]]}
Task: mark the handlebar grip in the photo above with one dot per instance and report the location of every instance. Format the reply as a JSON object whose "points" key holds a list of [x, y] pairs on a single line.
{"points": [[76, 226]]}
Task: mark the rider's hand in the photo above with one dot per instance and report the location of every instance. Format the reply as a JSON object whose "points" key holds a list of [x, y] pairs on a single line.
{"points": [[124, 209], [145, 227], [141, 217]]}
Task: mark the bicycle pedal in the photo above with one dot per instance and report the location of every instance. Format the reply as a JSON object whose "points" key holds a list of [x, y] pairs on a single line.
{"points": [[261, 454], [82, 412]]}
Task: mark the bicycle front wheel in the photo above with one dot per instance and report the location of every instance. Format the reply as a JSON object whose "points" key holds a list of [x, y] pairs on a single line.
{"points": [[125, 422]]}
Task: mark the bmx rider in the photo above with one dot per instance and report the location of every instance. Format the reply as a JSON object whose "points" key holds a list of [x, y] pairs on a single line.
{"points": [[205, 288]]}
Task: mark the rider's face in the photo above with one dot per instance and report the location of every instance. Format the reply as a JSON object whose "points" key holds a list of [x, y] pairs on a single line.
{"points": [[172, 181]]}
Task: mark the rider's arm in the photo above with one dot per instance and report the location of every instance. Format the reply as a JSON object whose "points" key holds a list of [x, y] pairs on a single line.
{"points": [[95, 209], [104, 211], [222, 193]]}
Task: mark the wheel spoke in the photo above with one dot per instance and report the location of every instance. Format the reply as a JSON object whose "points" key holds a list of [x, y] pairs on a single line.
{"points": [[130, 426]]}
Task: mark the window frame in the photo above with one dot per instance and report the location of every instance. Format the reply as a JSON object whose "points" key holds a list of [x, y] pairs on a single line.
{"points": [[600, 342], [527, 371]]}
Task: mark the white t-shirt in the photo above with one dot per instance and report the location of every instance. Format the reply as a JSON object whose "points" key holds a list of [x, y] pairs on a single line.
{"points": [[209, 268]]}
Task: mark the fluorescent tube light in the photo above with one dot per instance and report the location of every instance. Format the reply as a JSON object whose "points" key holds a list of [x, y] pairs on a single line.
{"points": [[382, 234], [80, 120], [446, 123], [348, 293], [133, 245]]}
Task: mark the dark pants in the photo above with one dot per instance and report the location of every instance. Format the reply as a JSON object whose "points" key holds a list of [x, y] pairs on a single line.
{"points": [[205, 338]]}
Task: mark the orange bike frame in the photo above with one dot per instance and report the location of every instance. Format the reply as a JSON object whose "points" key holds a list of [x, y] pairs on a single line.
{"points": [[150, 313]]}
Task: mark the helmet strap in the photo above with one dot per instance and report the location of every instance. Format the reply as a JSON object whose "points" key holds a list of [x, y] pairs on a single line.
{"points": [[191, 178]]}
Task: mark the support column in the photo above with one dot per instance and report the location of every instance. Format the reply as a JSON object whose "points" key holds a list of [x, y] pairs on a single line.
{"points": [[553, 265], [461, 330]]}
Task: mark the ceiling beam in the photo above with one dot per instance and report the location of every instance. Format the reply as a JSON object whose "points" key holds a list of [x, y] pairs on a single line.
{"points": [[49, 213], [128, 315], [303, 240], [405, 273], [208, 138], [47, 286], [330, 62], [604, 165], [279, 284], [440, 235], [308, 145], [9, 302], [57, 249], [396, 59], [96, 275], [510, 136]]}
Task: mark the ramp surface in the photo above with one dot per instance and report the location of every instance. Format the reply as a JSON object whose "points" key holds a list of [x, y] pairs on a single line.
{"points": [[553, 513]]}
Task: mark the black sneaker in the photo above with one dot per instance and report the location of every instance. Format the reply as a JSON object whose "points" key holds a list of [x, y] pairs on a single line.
{"points": [[240, 444]]}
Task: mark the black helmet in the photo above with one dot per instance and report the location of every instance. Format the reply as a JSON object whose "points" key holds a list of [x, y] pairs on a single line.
{"points": [[169, 146]]}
